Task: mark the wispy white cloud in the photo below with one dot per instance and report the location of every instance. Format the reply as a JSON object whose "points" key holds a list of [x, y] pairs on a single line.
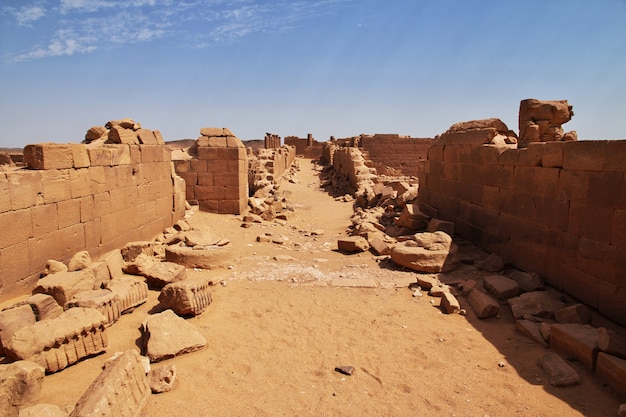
{"points": [[82, 26]]}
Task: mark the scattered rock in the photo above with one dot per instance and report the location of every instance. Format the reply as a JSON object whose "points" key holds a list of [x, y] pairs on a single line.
{"points": [[166, 335], [353, 244], [346, 370], [64, 286], [12, 320], [531, 330], [577, 313], [483, 304], [52, 267], [426, 252], [612, 370], [132, 250], [527, 282], [559, 373], [80, 260], [44, 306], [536, 303], [161, 378], [579, 341], [189, 297], [501, 287], [493, 263], [130, 291], [20, 386], [102, 300], [449, 303], [612, 343]]}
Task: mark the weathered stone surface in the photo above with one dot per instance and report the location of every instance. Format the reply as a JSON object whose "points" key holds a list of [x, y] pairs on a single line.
{"points": [[492, 263], [12, 320], [62, 341], [559, 373], [426, 252], [483, 304], [131, 250], [101, 273], [577, 313], [449, 303], [157, 274], [352, 244], [189, 297], [64, 286], [44, 306], [540, 121], [199, 238], [527, 282], [80, 260], [42, 410], [207, 258], [48, 156], [103, 300], [120, 135], [612, 370], [95, 132], [436, 225], [130, 291], [438, 290], [166, 335], [120, 390], [501, 287], [536, 303], [531, 330], [412, 218], [427, 281], [379, 246], [126, 123], [52, 267], [622, 410], [20, 386], [611, 342], [161, 378], [576, 340], [115, 263]]}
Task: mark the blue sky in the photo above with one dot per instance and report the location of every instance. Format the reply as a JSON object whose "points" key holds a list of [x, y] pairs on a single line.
{"points": [[326, 67]]}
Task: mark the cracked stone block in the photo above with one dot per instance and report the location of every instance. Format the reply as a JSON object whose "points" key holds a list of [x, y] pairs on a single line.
{"points": [[103, 300], [64, 286], [130, 291], [166, 335], [189, 297]]}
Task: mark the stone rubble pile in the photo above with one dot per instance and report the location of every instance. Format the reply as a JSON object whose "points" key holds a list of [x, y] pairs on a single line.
{"points": [[540, 121], [124, 131], [67, 317]]}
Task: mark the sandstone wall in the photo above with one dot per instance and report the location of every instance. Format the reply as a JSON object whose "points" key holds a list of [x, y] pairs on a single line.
{"points": [[350, 163], [218, 177], [400, 153], [268, 165], [76, 197], [557, 208], [307, 147]]}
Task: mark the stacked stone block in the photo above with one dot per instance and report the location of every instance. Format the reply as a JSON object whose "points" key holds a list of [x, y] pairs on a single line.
{"points": [[77, 197], [557, 208], [218, 178], [307, 147], [540, 121], [272, 141], [399, 152]]}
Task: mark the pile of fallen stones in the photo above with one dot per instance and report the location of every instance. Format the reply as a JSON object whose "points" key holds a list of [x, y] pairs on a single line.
{"points": [[66, 319]]}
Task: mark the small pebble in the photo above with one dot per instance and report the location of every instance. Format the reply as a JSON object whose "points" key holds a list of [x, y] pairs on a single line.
{"points": [[346, 370]]}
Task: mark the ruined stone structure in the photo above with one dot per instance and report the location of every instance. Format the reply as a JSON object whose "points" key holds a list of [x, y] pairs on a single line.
{"points": [[555, 208], [307, 147], [269, 165], [540, 121], [395, 151], [271, 141], [74, 197], [218, 177]]}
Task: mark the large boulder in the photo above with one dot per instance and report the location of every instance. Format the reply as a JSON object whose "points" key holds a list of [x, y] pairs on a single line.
{"points": [[426, 252]]}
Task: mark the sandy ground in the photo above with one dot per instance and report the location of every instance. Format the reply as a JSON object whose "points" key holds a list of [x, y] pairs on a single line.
{"points": [[290, 313]]}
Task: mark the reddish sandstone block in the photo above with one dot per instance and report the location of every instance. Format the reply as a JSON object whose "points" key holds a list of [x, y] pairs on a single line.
{"points": [[487, 174], [80, 156], [611, 299], [205, 178], [198, 165], [586, 155], [48, 156], [546, 181], [232, 206], [615, 159], [16, 227], [581, 285], [207, 153], [98, 179], [618, 228], [182, 166], [14, 263], [551, 212], [517, 203], [151, 153], [576, 340], [226, 179], [211, 206], [612, 370], [605, 188], [553, 154], [120, 154], [45, 219], [530, 156], [68, 213], [80, 183], [590, 221], [56, 185], [25, 188], [147, 137], [573, 185], [99, 156], [231, 153], [209, 192], [597, 258], [121, 135]]}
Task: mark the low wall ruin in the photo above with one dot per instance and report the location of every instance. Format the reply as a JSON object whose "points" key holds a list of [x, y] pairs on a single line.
{"points": [[555, 208], [269, 165], [307, 147], [77, 197], [397, 152]]}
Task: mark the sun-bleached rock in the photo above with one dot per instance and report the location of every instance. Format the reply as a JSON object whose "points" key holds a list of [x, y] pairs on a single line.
{"points": [[189, 297], [161, 378], [352, 244], [166, 335], [64, 286], [131, 292], [426, 252], [20, 386]]}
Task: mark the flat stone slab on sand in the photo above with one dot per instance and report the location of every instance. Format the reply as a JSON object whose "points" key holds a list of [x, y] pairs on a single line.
{"points": [[166, 335]]}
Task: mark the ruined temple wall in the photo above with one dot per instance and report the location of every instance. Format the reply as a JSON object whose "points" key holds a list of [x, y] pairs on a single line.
{"points": [[305, 147], [81, 198], [396, 152], [351, 163], [556, 208]]}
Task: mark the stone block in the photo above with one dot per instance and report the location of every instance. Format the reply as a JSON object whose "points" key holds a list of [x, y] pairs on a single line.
{"points": [[68, 213], [205, 178], [612, 370], [42, 410], [20, 386], [527, 282], [44, 306], [611, 300], [119, 134], [379, 246], [590, 221], [120, 390], [483, 304], [120, 154], [99, 156], [25, 189], [147, 137], [44, 156], [553, 154], [615, 159], [559, 373], [64, 286], [166, 335], [352, 244], [426, 252], [56, 186], [189, 297], [576, 340], [232, 206], [587, 155], [207, 153], [611, 342], [80, 156], [208, 192], [501, 286], [62, 341], [151, 153], [130, 291], [531, 330], [536, 303], [582, 285], [102, 300], [209, 258], [449, 304], [198, 165], [13, 319]]}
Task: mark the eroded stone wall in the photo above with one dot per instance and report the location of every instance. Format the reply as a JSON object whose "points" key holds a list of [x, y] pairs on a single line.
{"points": [[556, 208], [398, 152], [307, 147], [268, 165], [78, 197]]}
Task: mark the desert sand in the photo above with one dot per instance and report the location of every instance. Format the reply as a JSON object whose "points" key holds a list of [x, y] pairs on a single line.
{"points": [[285, 315]]}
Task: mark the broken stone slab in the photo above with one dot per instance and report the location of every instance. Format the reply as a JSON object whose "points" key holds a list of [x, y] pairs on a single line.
{"points": [[104, 300], [157, 274], [611, 342], [483, 304], [12, 320], [52, 267], [492, 263], [527, 282], [80, 260], [577, 313], [42, 410], [579, 341], [531, 330], [44, 306], [64, 286], [412, 218], [501, 287], [436, 225], [20, 386], [115, 263], [62, 341], [427, 281], [379, 246], [426, 252], [536, 303], [101, 273], [121, 389], [199, 238], [161, 378], [467, 286], [189, 297], [166, 335], [208, 258], [612, 370], [252, 218], [345, 369], [130, 291], [449, 303], [132, 250], [352, 244], [559, 373]]}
